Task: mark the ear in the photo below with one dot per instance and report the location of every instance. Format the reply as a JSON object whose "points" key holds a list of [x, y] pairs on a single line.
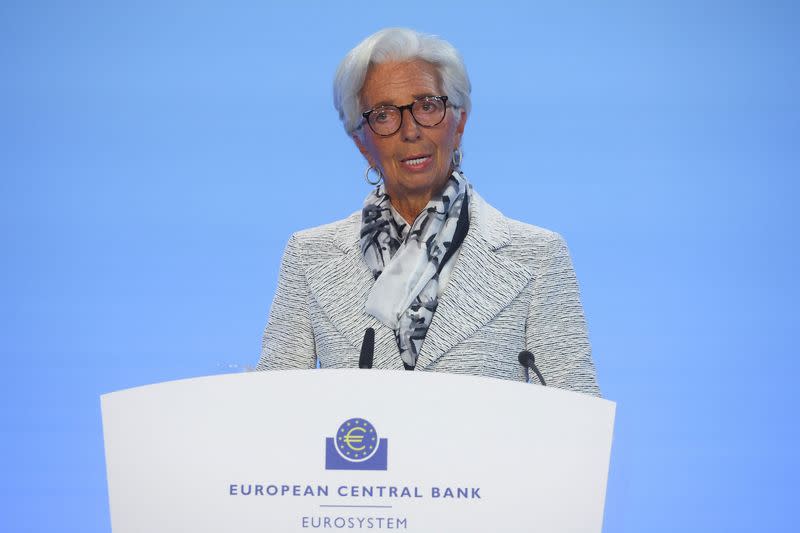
{"points": [[362, 148], [462, 122]]}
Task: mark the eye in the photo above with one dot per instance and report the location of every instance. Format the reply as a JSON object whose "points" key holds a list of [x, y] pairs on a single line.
{"points": [[382, 114], [428, 105]]}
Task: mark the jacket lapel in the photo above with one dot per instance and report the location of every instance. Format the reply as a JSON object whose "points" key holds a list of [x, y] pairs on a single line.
{"points": [[481, 284], [341, 285]]}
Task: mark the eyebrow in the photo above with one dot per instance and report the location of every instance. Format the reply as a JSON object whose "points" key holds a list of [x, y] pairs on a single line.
{"points": [[414, 96]]}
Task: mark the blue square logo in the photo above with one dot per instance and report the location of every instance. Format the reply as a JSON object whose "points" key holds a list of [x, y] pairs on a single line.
{"points": [[356, 446]]}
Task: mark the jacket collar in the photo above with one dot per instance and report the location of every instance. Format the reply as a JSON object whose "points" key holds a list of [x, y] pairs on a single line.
{"points": [[482, 283]]}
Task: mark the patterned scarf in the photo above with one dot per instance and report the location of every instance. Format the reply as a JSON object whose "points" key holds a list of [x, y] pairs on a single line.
{"points": [[407, 261]]}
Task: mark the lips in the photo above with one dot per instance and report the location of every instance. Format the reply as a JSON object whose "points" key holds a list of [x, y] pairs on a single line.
{"points": [[417, 162]]}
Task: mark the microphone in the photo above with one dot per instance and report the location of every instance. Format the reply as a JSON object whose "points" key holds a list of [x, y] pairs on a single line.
{"points": [[367, 349], [527, 360]]}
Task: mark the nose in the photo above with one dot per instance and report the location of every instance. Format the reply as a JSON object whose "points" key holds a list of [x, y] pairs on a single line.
{"points": [[409, 128]]}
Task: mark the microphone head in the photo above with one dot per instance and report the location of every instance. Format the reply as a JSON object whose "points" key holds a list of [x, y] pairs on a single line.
{"points": [[526, 358], [369, 334], [367, 349]]}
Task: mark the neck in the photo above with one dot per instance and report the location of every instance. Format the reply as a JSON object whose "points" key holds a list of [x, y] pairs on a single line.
{"points": [[409, 207], [409, 204]]}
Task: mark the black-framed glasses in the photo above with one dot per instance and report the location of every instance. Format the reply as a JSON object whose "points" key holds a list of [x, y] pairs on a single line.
{"points": [[386, 120]]}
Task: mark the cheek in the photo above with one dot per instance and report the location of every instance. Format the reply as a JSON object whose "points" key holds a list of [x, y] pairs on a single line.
{"points": [[448, 142], [382, 152]]}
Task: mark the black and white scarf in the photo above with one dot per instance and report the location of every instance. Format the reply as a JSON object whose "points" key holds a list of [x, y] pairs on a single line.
{"points": [[408, 261]]}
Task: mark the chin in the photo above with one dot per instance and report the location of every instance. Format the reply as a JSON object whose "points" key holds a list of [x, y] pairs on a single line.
{"points": [[420, 185]]}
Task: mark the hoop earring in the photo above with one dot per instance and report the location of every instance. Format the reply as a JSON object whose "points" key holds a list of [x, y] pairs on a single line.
{"points": [[456, 158], [379, 175]]}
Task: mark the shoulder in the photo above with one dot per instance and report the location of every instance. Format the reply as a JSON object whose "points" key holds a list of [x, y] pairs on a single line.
{"points": [[333, 237], [528, 234], [519, 239], [329, 230]]}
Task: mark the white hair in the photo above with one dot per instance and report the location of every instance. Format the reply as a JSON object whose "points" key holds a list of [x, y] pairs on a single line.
{"points": [[398, 44]]}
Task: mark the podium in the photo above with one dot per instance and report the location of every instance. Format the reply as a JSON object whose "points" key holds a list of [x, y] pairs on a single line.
{"points": [[299, 450]]}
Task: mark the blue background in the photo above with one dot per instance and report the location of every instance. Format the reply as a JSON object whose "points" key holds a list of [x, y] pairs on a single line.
{"points": [[155, 158]]}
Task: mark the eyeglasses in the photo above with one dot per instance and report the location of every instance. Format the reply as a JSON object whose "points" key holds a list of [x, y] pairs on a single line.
{"points": [[386, 120]]}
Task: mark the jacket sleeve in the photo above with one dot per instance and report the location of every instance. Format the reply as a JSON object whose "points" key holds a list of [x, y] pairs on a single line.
{"points": [[556, 329], [288, 340]]}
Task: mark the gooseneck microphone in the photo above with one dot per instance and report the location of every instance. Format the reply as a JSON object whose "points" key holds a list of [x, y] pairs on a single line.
{"points": [[527, 360], [367, 349]]}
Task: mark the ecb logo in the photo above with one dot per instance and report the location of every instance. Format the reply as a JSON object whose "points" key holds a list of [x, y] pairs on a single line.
{"points": [[356, 446]]}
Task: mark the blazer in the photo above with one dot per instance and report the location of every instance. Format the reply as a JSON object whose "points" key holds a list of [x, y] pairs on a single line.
{"points": [[512, 288]]}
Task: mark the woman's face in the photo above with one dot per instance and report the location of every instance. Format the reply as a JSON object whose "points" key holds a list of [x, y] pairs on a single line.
{"points": [[415, 160]]}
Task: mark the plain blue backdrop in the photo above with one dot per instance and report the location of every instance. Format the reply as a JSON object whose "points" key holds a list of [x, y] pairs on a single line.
{"points": [[155, 158]]}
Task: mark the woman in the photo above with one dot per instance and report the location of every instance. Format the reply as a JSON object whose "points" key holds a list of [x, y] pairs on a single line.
{"points": [[447, 282]]}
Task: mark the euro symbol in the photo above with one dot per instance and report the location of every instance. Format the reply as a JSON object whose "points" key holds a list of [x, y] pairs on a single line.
{"points": [[351, 439]]}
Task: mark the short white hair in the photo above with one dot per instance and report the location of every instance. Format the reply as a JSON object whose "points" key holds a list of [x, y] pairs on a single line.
{"points": [[398, 44]]}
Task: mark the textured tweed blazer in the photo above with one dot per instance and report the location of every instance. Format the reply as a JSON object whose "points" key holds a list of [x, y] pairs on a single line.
{"points": [[512, 288]]}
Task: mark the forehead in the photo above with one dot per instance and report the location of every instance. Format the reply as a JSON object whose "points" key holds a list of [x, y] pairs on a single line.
{"points": [[399, 83]]}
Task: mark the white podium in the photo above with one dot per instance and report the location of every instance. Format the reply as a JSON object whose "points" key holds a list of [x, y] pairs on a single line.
{"points": [[355, 450]]}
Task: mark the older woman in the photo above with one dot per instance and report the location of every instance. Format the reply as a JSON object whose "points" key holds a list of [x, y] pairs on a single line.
{"points": [[447, 282]]}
